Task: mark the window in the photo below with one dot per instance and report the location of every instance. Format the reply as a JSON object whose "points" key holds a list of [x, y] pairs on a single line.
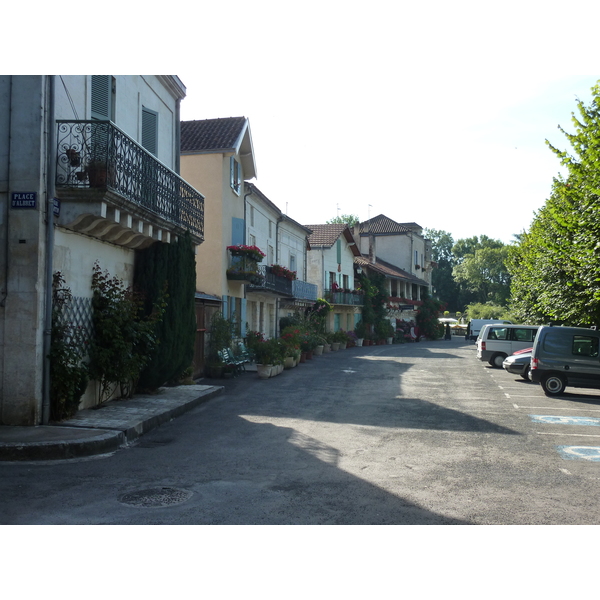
{"points": [[345, 285], [271, 255], [524, 335], [292, 262], [150, 130], [584, 345], [270, 228], [498, 333], [251, 240], [251, 216], [236, 175], [332, 281]]}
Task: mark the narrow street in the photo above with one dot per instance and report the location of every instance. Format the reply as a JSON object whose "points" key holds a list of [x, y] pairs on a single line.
{"points": [[405, 434]]}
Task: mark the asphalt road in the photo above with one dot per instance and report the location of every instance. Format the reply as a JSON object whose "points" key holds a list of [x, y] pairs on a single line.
{"points": [[404, 434]]}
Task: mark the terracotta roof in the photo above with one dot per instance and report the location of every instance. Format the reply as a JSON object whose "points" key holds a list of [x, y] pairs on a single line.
{"points": [[381, 225], [325, 236], [212, 134], [388, 269]]}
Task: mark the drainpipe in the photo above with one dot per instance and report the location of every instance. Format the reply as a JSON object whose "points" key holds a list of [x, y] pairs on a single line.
{"points": [[277, 300], [7, 246], [50, 191]]}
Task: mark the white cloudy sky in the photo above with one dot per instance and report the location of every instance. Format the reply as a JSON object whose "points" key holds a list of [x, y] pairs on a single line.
{"points": [[434, 112]]}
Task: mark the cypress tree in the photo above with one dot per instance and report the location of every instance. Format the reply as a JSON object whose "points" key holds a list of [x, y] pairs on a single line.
{"points": [[171, 268]]}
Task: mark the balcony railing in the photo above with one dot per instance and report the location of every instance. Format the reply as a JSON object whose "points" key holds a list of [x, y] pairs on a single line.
{"points": [[97, 154], [348, 298], [303, 290], [271, 282]]}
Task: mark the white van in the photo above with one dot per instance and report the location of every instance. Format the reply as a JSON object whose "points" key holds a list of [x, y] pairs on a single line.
{"points": [[496, 342], [475, 325]]}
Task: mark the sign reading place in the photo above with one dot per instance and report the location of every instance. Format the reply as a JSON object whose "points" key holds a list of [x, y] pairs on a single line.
{"points": [[23, 200]]}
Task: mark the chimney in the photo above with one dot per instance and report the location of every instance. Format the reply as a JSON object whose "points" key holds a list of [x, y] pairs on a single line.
{"points": [[372, 252]]}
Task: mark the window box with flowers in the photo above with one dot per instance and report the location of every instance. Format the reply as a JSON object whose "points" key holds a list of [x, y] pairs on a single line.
{"points": [[250, 252], [280, 271]]}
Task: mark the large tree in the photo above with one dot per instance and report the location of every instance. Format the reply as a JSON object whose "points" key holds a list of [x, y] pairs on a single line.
{"points": [[442, 281], [349, 220], [556, 265]]}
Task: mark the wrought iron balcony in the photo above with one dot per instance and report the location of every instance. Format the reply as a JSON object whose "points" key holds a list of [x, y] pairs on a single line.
{"points": [[303, 290], [113, 188], [271, 283], [347, 298]]}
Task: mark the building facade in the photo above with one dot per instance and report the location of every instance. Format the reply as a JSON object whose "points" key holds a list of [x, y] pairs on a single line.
{"points": [[88, 174]]}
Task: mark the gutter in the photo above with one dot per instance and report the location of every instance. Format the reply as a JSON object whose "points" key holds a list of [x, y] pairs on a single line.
{"points": [[50, 191]]}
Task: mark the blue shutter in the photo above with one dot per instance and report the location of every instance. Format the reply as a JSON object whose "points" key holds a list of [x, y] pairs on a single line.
{"points": [[237, 231], [225, 308], [339, 252], [243, 319], [101, 97]]}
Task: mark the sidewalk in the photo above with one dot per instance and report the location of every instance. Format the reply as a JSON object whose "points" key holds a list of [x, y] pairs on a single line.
{"points": [[104, 430]]}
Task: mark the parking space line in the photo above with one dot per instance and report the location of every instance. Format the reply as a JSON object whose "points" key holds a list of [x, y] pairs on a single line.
{"points": [[568, 434], [555, 408]]}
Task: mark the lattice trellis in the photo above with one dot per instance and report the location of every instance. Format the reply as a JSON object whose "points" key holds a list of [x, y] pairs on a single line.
{"points": [[77, 316]]}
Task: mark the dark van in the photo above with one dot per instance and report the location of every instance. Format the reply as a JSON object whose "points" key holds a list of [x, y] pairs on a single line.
{"points": [[566, 356]]}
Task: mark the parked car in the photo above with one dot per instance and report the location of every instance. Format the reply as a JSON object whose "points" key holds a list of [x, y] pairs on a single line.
{"points": [[566, 356], [519, 363], [496, 342]]}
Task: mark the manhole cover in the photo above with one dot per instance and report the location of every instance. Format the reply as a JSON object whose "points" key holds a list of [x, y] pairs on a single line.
{"points": [[155, 497]]}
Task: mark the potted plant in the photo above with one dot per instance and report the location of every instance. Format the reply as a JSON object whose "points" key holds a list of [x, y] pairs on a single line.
{"points": [[360, 330], [220, 337]]}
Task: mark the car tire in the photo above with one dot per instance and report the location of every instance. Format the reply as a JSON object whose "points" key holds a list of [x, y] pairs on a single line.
{"points": [[553, 385], [497, 360], [526, 373]]}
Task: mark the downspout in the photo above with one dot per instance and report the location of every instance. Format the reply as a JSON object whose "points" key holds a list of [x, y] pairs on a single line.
{"points": [[277, 262], [7, 247], [50, 191], [177, 168]]}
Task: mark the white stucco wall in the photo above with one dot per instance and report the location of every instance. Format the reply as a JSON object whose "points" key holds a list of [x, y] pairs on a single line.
{"points": [[132, 92]]}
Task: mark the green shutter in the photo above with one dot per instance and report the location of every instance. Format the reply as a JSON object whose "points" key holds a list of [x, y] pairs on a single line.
{"points": [[339, 252], [101, 97], [150, 130]]}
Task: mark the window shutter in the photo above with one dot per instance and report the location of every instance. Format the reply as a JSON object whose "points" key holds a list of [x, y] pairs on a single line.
{"points": [[243, 319], [150, 130], [237, 231], [339, 252], [101, 97]]}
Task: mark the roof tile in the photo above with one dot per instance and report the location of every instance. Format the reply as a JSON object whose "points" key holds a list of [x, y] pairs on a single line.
{"points": [[211, 134]]}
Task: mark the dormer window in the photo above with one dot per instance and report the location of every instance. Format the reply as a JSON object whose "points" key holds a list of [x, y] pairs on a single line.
{"points": [[236, 175]]}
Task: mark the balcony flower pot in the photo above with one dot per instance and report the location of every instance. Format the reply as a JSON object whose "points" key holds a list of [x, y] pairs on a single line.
{"points": [[264, 371]]}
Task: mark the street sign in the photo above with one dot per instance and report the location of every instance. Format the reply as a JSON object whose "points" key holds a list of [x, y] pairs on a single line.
{"points": [[23, 200]]}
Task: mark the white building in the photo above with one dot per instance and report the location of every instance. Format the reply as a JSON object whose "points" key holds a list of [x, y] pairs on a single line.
{"points": [[107, 148]]}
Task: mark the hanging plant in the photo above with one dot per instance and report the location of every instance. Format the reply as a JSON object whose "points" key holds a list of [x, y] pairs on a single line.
{"points": [[251, 252]]}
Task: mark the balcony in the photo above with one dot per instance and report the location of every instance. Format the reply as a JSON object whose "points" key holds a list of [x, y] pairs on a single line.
{"points": [[345, 298], [113, 189], [301, 290], [244, 270], [269, 282]]}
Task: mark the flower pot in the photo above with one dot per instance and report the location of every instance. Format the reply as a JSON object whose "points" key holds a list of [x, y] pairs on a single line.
{"points": [[335, 346], [318, 351], [359, 341], [343, 345], [288, 362], [264, 371], [390, 340], [326, 348], [303, 357], [309, 355]]}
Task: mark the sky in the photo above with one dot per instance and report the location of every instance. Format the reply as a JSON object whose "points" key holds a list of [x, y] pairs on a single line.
{"points": [[435, 113]]}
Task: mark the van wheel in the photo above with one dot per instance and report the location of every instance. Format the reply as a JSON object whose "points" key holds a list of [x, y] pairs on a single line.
{"points": [[553, 385], [526, 375], [497, 360]]}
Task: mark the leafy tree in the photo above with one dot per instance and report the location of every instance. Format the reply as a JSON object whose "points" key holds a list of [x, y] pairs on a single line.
{"points": [[442, 280], [427, 318], [349, 220], [487, 311], [556, 265], [484, 273]]}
